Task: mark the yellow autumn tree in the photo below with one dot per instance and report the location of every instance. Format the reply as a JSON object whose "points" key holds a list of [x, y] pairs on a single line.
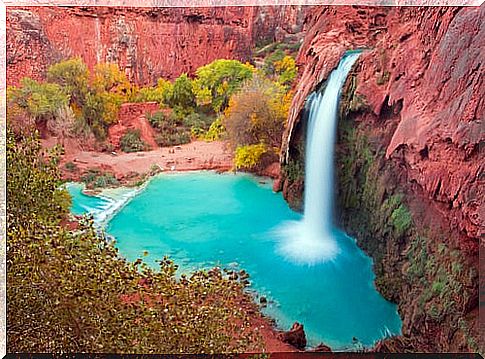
{"points": [[109, 89], [216, 82], [286, 70], [257, 113]]}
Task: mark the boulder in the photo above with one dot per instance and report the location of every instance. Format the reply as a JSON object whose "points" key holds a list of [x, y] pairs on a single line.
{"points": [[295, 336]]}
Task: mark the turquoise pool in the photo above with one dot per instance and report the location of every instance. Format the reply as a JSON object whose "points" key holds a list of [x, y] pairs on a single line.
{"points": [[204, 219]]}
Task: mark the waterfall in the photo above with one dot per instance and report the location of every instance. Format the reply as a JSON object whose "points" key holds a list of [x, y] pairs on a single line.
{"points": [[311, 240]]}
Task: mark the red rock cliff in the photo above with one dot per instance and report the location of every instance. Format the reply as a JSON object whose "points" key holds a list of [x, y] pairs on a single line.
{"points": [[147, 42], [430, 61], [420, 86]]}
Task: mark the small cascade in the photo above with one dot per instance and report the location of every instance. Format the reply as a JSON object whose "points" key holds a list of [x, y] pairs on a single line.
{"points": [[311, 240]]}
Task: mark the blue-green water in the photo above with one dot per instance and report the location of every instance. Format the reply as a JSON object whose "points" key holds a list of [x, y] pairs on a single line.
{"points": [[203, 219]]}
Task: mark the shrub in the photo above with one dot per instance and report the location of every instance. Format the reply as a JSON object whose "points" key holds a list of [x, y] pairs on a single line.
{"points": [[71, 167], [248, 157], [94, 178], [166, 139], [131, 141], [163, 120], [216, 130], [37, 175], [171, 129], [383, 78], [438, 286], [257, 114], [198, 121], [401, 219], [294, 170], [105, 180]]}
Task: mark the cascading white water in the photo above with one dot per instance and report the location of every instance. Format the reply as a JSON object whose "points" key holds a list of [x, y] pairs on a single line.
{"points": [[320, 144], [311, 240]]}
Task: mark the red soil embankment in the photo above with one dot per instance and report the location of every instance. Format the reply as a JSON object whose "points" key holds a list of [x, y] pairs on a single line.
{"points": [[198, 155]]}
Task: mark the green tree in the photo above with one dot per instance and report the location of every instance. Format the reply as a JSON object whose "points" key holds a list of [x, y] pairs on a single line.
{"points": [[182, 98], [99, 112], [286, 70], [217, 81], [38, 100], [73, 76], [110, 88], [159, 93]]}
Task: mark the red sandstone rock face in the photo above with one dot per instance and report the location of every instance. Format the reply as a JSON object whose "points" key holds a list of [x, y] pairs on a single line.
{"points": [[331, 31], [147, 43], [430, 62]]}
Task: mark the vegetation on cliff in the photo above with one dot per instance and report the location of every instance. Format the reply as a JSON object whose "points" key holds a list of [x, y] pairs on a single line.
{"points": [[418, 263], [69, 291], [415, 264]]}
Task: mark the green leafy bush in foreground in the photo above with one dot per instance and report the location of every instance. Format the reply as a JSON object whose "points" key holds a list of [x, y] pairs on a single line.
{"points": [[71, 292]]}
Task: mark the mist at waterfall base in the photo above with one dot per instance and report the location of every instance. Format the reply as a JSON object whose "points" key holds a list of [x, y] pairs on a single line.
{"points": [[314, 238], [204, 219]]}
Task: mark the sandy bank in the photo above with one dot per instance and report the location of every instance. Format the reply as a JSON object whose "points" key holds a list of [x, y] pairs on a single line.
{"points": [[197, 155]]}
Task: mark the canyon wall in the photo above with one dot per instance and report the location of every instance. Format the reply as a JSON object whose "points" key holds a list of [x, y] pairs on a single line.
{"points": [[148, 43], [409, 157]]}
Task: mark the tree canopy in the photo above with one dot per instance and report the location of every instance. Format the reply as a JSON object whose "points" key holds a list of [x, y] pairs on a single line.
{"points": [[216, 82], [73, 76], [39, 100]]}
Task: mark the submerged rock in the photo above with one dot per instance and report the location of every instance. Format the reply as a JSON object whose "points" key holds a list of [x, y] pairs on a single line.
{"points": [[322, 348], [295, 336]]}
